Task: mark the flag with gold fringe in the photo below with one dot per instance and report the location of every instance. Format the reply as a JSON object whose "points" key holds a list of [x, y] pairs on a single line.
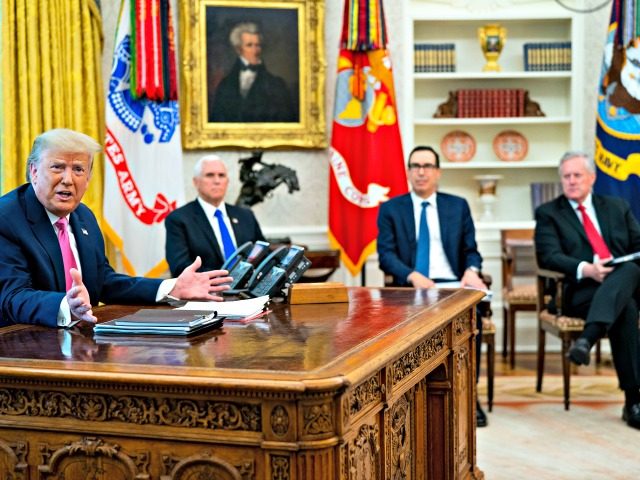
{"points": [[366, 160], [618, 117], [143, 172]]}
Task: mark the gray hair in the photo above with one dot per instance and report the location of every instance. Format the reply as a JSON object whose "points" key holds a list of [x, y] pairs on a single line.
{"points": [[588, 160], [235, 37], [197, 168], [61, 140]]}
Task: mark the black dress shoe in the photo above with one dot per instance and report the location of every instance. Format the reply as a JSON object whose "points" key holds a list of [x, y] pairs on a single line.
{"points": [[481, 417], [631, 415], [579, 352]]}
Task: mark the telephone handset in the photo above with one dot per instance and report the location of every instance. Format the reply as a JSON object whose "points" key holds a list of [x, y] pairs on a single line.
{"points": [[267, 264], [242, 270], [239, 254], [288, 270]]}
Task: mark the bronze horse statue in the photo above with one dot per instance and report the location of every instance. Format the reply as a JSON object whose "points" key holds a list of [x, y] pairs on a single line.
{"points": [[259, 184]]}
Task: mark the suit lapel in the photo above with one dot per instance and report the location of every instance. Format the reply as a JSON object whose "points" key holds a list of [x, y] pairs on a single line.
{"points": [[408, 222], [45, 234], [571, 218], [603, 220], [86, 252], [449, 237], [236, 225]]}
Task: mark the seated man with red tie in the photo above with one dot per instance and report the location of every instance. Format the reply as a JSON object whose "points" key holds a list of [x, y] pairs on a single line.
{"points": [[576, 234], [208, 227]]}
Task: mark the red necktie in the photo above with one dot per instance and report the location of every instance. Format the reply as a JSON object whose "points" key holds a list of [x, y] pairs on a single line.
{"points": [[68, 259], [595, 239]]}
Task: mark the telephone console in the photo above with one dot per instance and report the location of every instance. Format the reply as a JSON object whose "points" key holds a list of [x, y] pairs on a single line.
{"points": [[243, 269], [271, 277]]}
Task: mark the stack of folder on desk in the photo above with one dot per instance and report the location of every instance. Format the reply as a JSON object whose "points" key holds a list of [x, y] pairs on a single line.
{"points": [[160, 322]]}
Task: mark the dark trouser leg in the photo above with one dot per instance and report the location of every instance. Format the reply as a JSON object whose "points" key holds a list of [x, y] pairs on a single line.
{"points": [[602, 304], [624, 338]]}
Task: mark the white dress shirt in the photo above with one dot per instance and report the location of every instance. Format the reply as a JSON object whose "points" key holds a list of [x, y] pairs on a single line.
{"points": [[210, 211], [439, 266]]}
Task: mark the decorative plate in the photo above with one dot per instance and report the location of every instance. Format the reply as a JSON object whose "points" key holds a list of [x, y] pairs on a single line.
{"points": [[458, 146], [510, 146]]}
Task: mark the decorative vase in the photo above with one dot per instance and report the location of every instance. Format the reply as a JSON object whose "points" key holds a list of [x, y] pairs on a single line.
{"points": [[487, 186], [492, 37]]}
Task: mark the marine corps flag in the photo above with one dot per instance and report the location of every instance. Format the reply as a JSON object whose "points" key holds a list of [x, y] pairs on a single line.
{"points": [[143, 171], [618, 118], [366, 159]]}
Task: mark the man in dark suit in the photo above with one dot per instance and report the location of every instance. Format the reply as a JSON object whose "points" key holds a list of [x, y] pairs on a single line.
{"points": [[194, 230], [52, 262], [426, 238], [249, 93], [576, 234]]}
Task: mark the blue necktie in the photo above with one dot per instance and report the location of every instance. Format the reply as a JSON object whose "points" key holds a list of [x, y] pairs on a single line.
{"points": [[422, 253], [227, 243]]}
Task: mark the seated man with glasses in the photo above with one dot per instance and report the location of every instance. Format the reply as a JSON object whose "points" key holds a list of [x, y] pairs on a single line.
{"points": [[426, 237]]}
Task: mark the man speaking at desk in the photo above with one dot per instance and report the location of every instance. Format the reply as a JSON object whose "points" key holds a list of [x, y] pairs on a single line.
{"points": [[52, 263]]}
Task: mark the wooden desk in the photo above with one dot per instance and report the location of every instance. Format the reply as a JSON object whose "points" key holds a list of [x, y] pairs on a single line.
{"points": [[380, 388]]}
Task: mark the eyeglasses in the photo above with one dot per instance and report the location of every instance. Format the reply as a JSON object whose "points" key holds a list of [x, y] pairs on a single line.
{"points": [[425, 166]]}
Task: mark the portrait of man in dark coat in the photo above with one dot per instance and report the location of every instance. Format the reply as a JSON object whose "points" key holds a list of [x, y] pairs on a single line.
{"points": [[249, 92]]}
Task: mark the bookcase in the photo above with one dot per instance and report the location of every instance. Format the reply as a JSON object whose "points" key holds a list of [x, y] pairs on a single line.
{"points": [[557, 92]]}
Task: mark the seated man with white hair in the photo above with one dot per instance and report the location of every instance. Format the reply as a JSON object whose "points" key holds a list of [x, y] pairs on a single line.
{"points": [[208, 227]]}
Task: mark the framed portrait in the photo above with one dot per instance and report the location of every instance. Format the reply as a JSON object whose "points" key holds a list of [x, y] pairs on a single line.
{"points": [[252, 73]]}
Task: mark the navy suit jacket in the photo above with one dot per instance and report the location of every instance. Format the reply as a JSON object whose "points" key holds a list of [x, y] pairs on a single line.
{"points": [[397, 236], [32, 283], [189, 234], [561, 242]]}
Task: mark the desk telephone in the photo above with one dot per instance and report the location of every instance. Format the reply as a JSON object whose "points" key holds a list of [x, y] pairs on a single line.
{"points": [[243, 261], [283, 266]]}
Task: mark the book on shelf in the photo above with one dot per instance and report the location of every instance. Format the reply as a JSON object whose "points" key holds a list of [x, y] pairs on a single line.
{"points": [[490, 102], [434, 57], [161, 322], [543, 192], [547, 56]]}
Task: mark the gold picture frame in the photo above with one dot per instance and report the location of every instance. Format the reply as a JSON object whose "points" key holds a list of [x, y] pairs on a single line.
{"points": [[207, 59]]}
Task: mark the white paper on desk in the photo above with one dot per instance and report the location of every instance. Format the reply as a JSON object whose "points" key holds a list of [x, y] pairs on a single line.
{"points": [[488, 294], [232, 308]]}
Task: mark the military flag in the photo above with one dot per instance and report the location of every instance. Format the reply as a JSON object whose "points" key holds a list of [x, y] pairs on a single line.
{"points": [[618, 117], [143, 172], [366, 160]]}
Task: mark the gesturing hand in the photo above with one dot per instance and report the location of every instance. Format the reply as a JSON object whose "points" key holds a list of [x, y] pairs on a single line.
{"points": [[78, 299], [194, 285]]}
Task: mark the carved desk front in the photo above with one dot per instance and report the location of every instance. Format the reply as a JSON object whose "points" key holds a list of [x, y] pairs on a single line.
{"points": [[380, 388]]}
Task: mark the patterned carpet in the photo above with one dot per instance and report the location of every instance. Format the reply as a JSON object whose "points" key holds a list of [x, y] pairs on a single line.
{"points": [[531, 436]]}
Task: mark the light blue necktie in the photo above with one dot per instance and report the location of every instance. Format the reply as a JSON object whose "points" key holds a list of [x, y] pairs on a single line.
{"points": [[422, 253], [227, 242]]}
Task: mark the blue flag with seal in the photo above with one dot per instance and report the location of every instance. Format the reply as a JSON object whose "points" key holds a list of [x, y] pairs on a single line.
{"points": [[618, 117]]}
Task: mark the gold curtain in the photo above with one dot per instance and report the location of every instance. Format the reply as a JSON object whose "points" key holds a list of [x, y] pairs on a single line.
{"points": [[51, 78]]}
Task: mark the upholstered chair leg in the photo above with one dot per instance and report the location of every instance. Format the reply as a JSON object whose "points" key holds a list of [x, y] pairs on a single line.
{"points": [[540, 369], [512, 337], [566, 371], [505, 331], [491, 360]]}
